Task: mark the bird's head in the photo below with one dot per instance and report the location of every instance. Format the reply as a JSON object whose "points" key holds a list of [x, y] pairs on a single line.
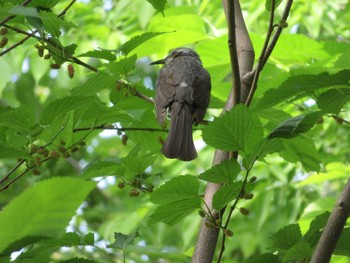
{"points": [[178, 52]]}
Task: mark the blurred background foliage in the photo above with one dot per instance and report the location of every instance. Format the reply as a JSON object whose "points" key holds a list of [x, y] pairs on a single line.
{"points": [[315, 41]]}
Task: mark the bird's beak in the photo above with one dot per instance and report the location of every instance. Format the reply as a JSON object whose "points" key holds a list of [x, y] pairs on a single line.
{"points": [[162, 61]]}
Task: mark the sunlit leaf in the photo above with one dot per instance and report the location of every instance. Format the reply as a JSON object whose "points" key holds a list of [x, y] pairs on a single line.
{"points": [[137, 164], [100, 53], [303, 150], [302, 85], [134, 42], [158, 4], [342, 247], [300, 252], [333, 100], [316, 225], [97, 82], [24, 11], [235, 130], [122, 240], [174, 212], [56, 198], [287, 237], [102, 168], [225, 172], [60, 107], [176, 189], [226, 194], [122, 67]]}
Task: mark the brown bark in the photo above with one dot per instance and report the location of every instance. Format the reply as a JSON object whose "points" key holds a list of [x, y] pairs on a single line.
{"points": [[333, 229], [243, 64]]}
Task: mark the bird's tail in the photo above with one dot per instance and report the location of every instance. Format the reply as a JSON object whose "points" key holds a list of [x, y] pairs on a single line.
{"points": [[179, 143]]}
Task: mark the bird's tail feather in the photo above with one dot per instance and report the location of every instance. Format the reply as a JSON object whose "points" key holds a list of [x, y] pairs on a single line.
{"points": [[179, 143]]}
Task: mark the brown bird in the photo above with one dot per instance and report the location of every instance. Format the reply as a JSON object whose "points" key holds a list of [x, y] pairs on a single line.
{"points": [[182, 90]]}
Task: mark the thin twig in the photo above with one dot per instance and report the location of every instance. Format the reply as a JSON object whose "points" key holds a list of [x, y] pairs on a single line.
{"points": [[12, 171], [14, 46], [232, 208], [232, 44], [275, 37], [13, 16], [104, 127], [259, 66]]}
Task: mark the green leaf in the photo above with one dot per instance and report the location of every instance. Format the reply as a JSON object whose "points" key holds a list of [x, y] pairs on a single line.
{"points": [[226, 194], [97, 82], [303, 150], [122, 67], [44, 4], [177, 189], [294, 126], [62, 106], [52, 23], [137, 165], [24, 11], [20, 119], [134, 42], [55, 199], [333, 171], [300, 252], [6, 152], [264, 147], [264, 258], [122, 241], [303, 85], [268, 4], [24, 88], [78, 260], [158, 4], [287, 237], [316, 225], [342, 247], [225, 172], [235, 130], [89, 239], [100, 53], [102, 168], [174, 212], [333, 100]]}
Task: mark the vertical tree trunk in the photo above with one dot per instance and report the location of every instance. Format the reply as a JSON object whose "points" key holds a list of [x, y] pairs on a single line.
{"points": [[207, 237]]}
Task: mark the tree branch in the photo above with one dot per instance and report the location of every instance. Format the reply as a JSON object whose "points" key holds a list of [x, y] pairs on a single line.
{"points": [[207, 237], [277, 33], [333, 229], [105, 127], [232, 47], [262, 54]]}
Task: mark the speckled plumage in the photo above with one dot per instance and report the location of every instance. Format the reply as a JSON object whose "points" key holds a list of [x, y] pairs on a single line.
{"points": [[182, 90]]}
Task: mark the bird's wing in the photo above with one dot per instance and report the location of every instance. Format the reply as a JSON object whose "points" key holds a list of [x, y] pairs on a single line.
{"points": [[201, 94], [165, 92]]}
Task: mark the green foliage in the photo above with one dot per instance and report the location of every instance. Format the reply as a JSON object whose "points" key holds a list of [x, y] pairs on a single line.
{"points": [[295, 126], [177, 199], [134, 42], [225, 172], [236, 130], [303, 85], [67, 120], [56, 198]]}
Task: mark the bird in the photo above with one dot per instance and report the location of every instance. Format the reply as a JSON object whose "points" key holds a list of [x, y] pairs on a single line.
{"points": [[182, 93]]}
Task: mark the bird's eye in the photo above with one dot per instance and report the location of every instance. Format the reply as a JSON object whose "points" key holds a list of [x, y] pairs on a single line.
{"points": [[176, 53]]}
